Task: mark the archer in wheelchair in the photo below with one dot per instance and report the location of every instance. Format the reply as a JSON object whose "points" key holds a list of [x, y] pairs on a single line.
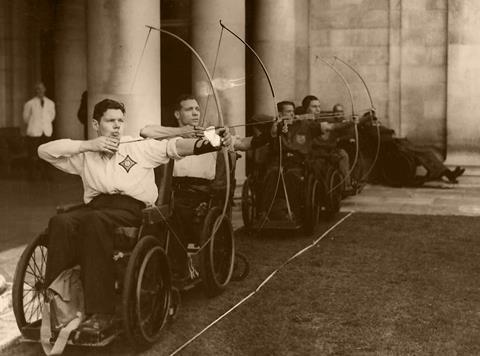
{"points": [[301, 180], [121, 238]]}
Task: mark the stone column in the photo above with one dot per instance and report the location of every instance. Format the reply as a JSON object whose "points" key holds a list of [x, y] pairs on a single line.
{"points": [[70, 67], [19, 66], [463, 88], [229, 76], [116, 35], [302, 55], [274, 41]]}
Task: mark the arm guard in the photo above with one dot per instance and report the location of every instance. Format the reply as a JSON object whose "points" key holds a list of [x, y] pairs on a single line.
{"points": [[202, 146]]}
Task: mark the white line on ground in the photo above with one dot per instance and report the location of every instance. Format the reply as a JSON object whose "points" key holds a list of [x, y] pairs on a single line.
{"points": [[251, 294]]}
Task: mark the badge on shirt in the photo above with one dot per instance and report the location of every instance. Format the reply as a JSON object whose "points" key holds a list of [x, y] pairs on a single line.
{"points": [[127, 163], [301, 139]]}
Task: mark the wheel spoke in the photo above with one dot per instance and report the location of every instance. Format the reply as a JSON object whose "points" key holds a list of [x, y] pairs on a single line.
{"points": [[35, 262]]}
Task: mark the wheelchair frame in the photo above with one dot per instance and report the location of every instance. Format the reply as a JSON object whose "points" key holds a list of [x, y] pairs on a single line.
{"points": [[150, 295], [320, 197]]}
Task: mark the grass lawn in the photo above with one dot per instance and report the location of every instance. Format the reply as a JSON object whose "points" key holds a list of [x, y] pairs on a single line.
{"points": [[378, 284]]}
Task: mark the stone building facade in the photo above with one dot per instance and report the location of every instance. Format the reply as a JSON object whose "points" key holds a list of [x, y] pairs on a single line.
{"points": [[418, 57]]}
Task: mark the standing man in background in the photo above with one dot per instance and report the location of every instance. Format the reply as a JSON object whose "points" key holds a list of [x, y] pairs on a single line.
{"points": [[38, 114]]}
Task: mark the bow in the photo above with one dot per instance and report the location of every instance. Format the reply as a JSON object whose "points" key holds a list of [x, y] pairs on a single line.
{"points": [[280, 177], [372, 114], [355, 122], [220, 116]]}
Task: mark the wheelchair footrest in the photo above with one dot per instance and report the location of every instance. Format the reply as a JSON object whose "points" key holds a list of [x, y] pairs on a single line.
{"points": [[81, 337]]}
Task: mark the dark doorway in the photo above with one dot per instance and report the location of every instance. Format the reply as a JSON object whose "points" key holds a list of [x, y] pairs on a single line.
{"points": [[176, 59]]}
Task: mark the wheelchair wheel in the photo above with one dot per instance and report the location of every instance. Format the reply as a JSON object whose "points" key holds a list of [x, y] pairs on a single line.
{"points": [[248, 203], [333, 192], [29, 287], [241, 267], [398, 169], [217, 257], [147, 292], [311, 206]]}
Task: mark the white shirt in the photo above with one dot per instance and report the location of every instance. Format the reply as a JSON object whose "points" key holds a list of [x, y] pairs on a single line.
{"points": [[202, 166], [129, 171], [39, 119]]}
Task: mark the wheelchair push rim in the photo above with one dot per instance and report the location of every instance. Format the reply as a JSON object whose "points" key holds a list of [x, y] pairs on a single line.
{"points": [[218, 256], [147, 292], [29, 288]]}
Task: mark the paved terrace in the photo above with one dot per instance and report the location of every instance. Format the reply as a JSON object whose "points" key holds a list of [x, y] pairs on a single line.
{"points": [[27, 206]]}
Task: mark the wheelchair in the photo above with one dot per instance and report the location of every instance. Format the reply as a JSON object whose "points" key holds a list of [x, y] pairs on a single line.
{"points": [[310, 189], [148, 292]]}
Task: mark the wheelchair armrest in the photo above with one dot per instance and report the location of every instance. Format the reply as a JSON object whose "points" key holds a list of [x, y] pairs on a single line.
{"points": [[68, 207], [156, 214]]}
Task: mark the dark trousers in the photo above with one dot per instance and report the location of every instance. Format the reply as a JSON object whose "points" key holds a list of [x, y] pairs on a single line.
{"points": [[36, 167], [190, 208], [85, 236]]}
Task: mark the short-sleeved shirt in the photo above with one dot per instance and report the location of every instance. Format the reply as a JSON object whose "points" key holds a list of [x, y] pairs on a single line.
{"points": [[129, 171]]}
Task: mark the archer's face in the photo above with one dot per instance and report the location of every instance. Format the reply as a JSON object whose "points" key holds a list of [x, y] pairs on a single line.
{"points": [[288, 111], [110, 124], [189, 113], [314, 107]]}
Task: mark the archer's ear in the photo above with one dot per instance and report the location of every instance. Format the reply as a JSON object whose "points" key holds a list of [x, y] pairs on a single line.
{"points": [[95, 124]]}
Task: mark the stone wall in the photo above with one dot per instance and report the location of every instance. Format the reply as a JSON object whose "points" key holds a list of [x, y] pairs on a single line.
{"points": [[357, 32], [399, 47]]}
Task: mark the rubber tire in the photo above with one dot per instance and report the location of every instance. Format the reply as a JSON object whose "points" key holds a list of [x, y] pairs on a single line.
{"points": [[333, 193], [248, 203], [213, 286], [311, 205], [240, 274], [19, 278], [129, 296]]}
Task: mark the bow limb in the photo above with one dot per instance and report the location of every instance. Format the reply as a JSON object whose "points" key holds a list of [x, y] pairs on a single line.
{"points": [[355, 120], [280, 177], [220, 116], [372, 113]]}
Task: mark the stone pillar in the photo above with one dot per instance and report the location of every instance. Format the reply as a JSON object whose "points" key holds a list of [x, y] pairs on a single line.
{"points": [[302, 54], [274, 41], [463, 89], [229, 76], [116, 35], [394, 66], [5, 90], [19, 81], [70, 67]]}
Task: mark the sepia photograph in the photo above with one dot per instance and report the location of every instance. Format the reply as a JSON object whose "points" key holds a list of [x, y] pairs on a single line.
{"points": [[239, 177]]}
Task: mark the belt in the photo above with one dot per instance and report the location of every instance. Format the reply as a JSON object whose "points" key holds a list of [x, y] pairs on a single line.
{"points": [[191, 184], [116, 201]]}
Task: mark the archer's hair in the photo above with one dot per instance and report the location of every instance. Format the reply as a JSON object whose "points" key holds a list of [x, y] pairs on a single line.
{"points": [[281, 104], [104, 105], [307, 100], [337, 108], [180, 98]]}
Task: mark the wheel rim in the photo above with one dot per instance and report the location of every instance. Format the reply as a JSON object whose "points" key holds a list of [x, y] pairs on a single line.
{"points": [[152, 295], [316, 202], [248, 204], [336, 192], [221, 253], [33, 287]]}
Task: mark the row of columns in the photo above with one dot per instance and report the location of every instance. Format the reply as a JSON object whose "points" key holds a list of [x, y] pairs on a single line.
{"points": [[99, 43]]}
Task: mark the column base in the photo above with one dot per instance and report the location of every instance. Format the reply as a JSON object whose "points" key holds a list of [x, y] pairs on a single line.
{"points": [[469, 161]]}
